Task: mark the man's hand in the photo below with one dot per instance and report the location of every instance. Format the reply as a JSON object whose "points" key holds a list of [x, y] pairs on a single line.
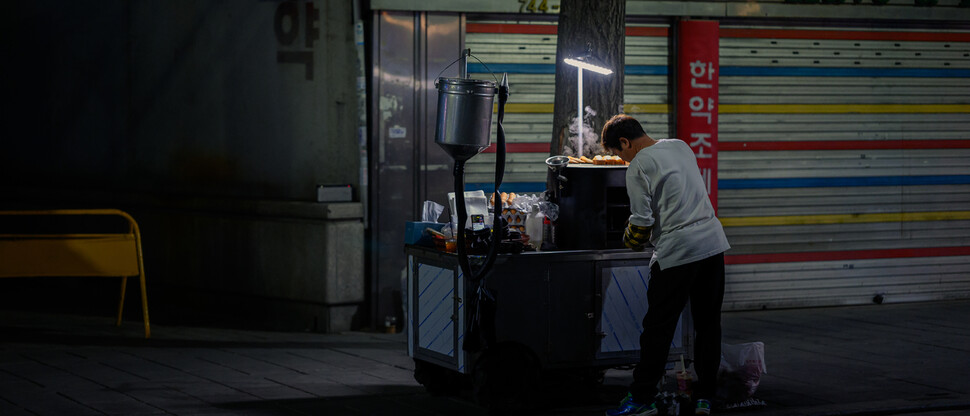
{"points": [[636, 237]]}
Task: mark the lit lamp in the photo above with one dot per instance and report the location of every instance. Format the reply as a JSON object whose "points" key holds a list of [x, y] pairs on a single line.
{"points": [[584, 62]]}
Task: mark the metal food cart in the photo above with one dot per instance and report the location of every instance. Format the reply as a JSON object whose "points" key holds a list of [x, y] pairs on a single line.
{"points": [[577, 311]]}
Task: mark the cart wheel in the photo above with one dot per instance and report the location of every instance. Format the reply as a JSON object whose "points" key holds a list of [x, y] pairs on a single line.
{"points": [[439, 381], [506, 376]]}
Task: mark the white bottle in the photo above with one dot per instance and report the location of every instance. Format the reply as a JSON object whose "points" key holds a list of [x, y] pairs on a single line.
{"points": [[533, 227]]}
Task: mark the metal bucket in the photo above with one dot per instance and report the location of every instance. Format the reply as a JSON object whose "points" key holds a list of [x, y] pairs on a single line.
{"points": [[464, 116]]}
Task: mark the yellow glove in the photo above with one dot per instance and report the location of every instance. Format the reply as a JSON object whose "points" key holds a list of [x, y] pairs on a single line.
{"points": [[636, 237]]}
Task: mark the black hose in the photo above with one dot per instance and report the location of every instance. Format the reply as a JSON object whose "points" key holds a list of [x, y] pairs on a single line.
{"points": [[462, 217], [481, 325], [497, 231]]}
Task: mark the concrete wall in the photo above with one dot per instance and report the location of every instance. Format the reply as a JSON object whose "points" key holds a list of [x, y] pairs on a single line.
{"points": [[212, 122]]}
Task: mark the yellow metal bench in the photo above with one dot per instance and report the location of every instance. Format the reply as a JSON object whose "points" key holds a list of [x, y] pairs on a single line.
{"points": [[80, 254]]}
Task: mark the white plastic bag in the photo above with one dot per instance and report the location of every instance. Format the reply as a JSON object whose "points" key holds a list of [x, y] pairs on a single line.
{"points": [[476, 206], [740, 373]]}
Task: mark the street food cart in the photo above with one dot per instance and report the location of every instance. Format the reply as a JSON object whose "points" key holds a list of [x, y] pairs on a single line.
{"points": [[575, 310], [500, 321]]}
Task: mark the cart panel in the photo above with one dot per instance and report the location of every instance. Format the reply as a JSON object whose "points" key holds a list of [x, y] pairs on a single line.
{"points": [[624, 306], [435, 309]]}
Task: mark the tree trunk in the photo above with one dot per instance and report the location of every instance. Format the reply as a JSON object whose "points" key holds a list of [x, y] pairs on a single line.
{"points": [[600, 27]]}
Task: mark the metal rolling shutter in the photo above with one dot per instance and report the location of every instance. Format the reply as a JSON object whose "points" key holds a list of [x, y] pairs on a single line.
{"points": [[527, 51], [844, 165]]}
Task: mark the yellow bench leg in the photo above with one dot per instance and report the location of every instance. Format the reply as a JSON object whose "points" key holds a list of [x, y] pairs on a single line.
{"points": [[144, 303], [121, 304]]}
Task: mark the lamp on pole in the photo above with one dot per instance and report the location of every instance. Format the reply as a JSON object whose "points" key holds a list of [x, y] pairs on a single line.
{"points": [[587, 62]]}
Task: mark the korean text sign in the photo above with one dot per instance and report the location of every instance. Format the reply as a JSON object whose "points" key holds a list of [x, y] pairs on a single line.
{"points": [[697, 75]]}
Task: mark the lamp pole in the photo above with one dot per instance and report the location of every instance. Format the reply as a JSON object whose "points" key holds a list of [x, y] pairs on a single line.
{"points": [[579, 114], [581, 63]]}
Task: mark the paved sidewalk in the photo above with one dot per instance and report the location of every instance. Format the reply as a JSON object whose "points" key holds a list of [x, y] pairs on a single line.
{"points": [[879, 359], [867, 360]]}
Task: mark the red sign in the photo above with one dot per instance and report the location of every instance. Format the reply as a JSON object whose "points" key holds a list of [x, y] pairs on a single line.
{"points": [[697, 73]]}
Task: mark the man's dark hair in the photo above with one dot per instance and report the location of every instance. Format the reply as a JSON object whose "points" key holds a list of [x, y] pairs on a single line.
{"points": [[621, 125]]}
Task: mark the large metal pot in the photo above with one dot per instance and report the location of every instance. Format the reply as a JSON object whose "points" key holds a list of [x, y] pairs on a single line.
{"points": [[464, 116]]}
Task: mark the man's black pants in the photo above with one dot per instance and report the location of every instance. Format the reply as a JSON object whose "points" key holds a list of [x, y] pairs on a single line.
{"points": [[667, 293]]}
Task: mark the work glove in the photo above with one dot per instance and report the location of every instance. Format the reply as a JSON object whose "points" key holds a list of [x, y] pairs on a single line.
{"points": [[636, 237]]}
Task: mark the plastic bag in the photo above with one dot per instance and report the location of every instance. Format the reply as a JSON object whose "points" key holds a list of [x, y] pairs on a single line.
{"points": [[525, 203], [549, 210], [476, 206], [740, 373]]}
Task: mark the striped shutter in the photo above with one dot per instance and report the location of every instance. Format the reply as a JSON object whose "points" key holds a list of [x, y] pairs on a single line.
{"points": [[527, 51], [844, 165]]}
